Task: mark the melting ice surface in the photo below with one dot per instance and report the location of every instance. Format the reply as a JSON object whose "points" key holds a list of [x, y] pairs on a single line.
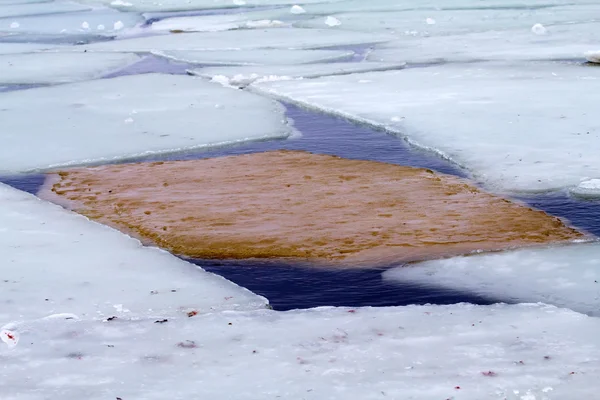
{"points": [[515, 125], [128, 116]]}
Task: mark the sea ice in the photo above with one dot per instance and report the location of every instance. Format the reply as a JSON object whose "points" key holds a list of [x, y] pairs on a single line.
{"points": [[71, 23], [242, 76], [36, 68], [187, 5], [16, 48], [515, 352], [522, 127], [88, 122], [254, 57], [55, 261], [281, 38], [566, 276], [587, 188], [593, 56], [296, 9]]}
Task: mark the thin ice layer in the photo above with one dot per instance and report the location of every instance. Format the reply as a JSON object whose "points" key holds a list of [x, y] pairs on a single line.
{"points": [[561, 42], [516, 352], [127, 116], [60, 67], [255, 57], [524, 127], [567, 276], [282, 38], [187, 5], [54, 261], [101, 22], [21, 10], [242, 76]]}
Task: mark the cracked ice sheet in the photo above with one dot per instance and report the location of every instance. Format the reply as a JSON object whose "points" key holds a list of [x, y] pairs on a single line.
{"points": [[562, 42], [100, 23], [566, 276], [242, 76], [55, 261], [518, 128], [514, 352], [280, 38], [255, 57], [60, 67], [20, 10], [129, 116], [452, 22]]}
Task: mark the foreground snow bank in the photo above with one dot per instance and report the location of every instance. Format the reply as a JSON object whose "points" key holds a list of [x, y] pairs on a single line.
{"points": [[129, 116], [418, 352], [567, 276], [54, 261]]}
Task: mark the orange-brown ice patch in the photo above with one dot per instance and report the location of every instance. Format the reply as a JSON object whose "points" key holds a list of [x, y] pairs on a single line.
{"points": [[288, 204]]}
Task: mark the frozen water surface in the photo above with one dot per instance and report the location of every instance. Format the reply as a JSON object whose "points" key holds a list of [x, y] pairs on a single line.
{"points": [[242, 76], [55, 261], [517, 352], [280, 38], [16, 48], [187, 5], [566, 276], [255, 57], [128, 116], [20, 10], [60, 67], [214, 23], [522, 127], [101, 22]]}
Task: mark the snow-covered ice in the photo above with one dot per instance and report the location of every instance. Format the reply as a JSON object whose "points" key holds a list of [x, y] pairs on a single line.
{"points": [[55, 261], [280, 38], [566, 276], [332, 21], [241, 76], [60, 67], [89, 121], [539, 29], [588, 188], [516, 127], [516, 352], [255, 57], [296, 9]]}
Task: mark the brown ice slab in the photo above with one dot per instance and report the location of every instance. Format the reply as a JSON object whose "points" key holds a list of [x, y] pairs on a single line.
{"points": [[301, 206]]}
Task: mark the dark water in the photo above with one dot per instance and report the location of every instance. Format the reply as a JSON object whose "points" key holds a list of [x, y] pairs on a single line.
{"points": [[292, 286]]}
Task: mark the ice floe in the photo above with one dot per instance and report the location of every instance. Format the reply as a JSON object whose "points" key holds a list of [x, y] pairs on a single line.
{"points": [[255, 57], [242, 76], [75, 23], [566, 276], [127, 116], [281, 38], [525, 127], [587, 188], [516, 352], [60, 67], [213, 23], [55, 261]]}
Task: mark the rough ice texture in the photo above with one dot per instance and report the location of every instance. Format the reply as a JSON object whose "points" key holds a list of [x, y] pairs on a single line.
{"points": [[50, 7], [516, 352], [244, 75], [255, 57], [522, 127], [588, 188], [55, 261], [128, 116], [299, 205], [80, 23], [60, 67], [566, 276], [281, 38]]}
